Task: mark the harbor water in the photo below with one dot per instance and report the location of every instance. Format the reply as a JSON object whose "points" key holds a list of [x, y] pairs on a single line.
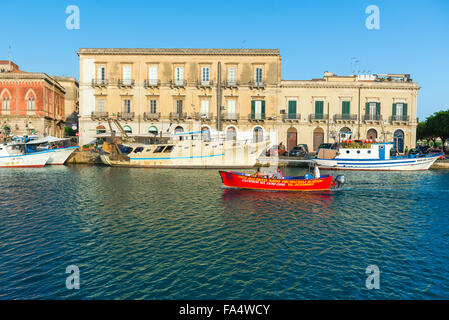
{"points": [[178, 234]]}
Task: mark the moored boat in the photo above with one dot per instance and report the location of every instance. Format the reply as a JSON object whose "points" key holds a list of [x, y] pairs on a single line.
{"points": [[59, 151], [300, 183], [15, 156]]}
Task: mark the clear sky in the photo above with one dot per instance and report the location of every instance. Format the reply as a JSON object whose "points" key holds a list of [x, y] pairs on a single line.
{"points": [[313, 36]]}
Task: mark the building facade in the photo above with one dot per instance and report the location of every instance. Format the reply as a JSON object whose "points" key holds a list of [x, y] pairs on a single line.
{"points": [[71, 100], [239, 92], [30, 103]]}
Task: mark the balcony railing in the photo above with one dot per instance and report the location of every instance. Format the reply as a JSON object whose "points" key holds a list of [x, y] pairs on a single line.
{"points": [[123, 83], [151, 83], [151, 116], [318, 117], [99, 115], [99, 82], [231, 84], [399, 118], [204, 84], [177, 116], [256, 116], [230, 116], [125, 115], [178, 83], [345, 116], [203, 116], [256, 84], [291, 117], [372, 117]]}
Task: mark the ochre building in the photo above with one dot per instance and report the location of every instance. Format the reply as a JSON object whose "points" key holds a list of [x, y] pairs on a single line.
{"points": [[238, 92]]}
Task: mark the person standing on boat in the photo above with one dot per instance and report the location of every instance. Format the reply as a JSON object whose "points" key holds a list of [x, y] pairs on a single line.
{"points": [[316, 171], [278, 174]]}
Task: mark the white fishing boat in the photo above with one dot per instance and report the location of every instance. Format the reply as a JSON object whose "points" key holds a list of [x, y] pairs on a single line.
{"points": [[186, 150], [59, 150], [15, 156], [372, 156]]}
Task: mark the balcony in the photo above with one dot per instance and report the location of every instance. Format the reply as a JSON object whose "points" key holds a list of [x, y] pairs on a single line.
{"points": [[344, 118], [256, 117], [230, 116], [174, 116], [125, 83], [151, 83], [317, 117], [180, 83], [372, 118], [148, 116], [203, 116], [125, 115], [291, 117], [399, 118], [204, 84], [99, 115], [231, 84], [256, 84], [99, 83]]}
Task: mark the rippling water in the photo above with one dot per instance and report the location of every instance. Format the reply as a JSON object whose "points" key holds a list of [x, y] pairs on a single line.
{"points": [[177, 234]]}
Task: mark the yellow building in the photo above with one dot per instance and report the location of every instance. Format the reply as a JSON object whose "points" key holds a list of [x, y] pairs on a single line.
{"points": [[239, 92]]}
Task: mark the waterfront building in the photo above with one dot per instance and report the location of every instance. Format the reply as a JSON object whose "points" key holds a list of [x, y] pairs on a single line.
{"points": [[71, 100], [239, 92], [30, 102]]}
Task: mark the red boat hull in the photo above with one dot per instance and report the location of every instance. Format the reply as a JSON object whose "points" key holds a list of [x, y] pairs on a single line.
{"points": [[236, 180]]}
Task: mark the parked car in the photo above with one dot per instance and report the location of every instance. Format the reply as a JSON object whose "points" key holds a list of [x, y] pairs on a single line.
{"points": [[276, 150], [301, 150]]}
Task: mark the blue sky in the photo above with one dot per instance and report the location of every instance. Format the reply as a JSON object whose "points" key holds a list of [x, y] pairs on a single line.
{"points": [[313, 36]]}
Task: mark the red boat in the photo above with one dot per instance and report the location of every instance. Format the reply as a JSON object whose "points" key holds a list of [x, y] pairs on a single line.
{"points": [[247, 181]]}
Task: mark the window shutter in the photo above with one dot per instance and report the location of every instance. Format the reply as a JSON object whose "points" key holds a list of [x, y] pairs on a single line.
{"points": [[292, 107], [263, 107], [378, 108], [404, 109], [253, 107], [367, 109], [319, 107], [346, 107], [394, 109]]}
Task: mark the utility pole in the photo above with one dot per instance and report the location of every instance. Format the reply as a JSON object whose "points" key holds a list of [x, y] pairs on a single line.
{"points": [[219, 97], [358, 117]]}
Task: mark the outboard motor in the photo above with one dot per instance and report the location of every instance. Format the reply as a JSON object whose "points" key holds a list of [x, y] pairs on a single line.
{"points": [[340, 180]]}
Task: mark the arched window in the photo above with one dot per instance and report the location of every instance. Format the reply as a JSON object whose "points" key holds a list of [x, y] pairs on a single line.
{"points": [[257, 134], [30, 98], [205, 133], [398, 140], [6, 99], [178, 130], [153, 130], [345, 129], [128, 129], [231, 133], [371, 134]]}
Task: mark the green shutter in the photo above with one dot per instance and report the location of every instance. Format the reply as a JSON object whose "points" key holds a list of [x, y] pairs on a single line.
{"points": [[378, 108], [367, 109], [394, 109], [346, 107], [319, 107], [253, 107], [404, 109], [263, 109], [291, 109]]}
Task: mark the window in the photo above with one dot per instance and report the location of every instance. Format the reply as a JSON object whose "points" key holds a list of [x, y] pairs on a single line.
{"points": [[345, 107], [179, 106], [258, 109], [319, 109], [126, 106], [292, 109], [153, 130], [31, 104], [232, 75], [101, 74], [6, 104], [372, 108], [153, 75], [205, 75], [100, 105], [258, 76], [179, 75], [399, 109], [127, 75], [153, 106], [204, 108], [231, 109], [127, 129]]}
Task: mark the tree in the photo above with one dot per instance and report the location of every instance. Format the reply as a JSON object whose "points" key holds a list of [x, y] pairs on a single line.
{"points": [[437, 126]]}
